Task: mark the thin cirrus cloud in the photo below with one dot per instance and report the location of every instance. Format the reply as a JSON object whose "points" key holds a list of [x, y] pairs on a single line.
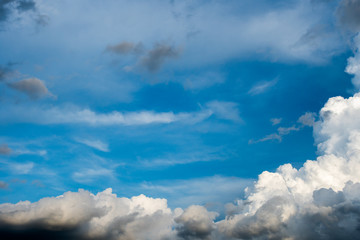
{"points": [[262, 87], [97, 144], [75, 115]]}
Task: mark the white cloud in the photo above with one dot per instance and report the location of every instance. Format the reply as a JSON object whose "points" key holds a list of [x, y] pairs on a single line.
{"points": [[21, 168], [97, 144], [87, 175], [262, 87], [225, 110], [275, 121], [75, 115]]}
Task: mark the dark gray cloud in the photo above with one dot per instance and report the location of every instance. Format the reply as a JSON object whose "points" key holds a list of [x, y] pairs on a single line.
{"points": [[4, 149], [156, 57], [33, 87], [348, 14]]}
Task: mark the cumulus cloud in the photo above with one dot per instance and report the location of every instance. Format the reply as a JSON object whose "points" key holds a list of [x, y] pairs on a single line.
{"points": [[196, 223], [82, 215], [33, 87]]}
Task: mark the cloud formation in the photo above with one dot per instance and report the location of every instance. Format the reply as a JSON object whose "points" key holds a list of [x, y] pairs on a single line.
{"points": [[348, 14], [33, 87], [156, 57], [8, 6], [149, 60], [318, 201], [76, 115]]}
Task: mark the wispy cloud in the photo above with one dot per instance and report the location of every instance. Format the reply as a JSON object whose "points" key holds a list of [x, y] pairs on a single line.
{"points": [[225, 110], [74, 115], [275, 121], [88, 175], [97, 144], [262, 87]]}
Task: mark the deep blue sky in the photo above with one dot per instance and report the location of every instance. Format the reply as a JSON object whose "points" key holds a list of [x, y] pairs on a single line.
{"points": [[157, 97]]}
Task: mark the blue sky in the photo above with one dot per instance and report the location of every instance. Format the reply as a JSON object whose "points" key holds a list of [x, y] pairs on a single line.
{"points": [[161, 97]]}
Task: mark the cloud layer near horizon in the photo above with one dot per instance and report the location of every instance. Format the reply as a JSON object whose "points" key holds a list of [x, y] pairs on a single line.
{"points": [[318, 201]]}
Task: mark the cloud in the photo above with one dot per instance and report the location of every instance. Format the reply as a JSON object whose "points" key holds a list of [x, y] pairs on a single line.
{"points": [[8, 6], [353, 66], [318, 201], [33, 87], [156, 57], [225, 110], [196, 82], [4, 149], [124, 48], [184, 192], [21, 168], [97, 144], [286, 130], [348, 14], [281, 131], [273, 136], [195, 223], [75, 115], [275, 121], [26, 5], [262, 87], [150, 60], [308, 119], [91, 174], [100, 216]]}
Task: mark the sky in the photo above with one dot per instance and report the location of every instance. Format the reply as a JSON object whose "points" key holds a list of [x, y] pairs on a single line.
{"points": [[177, 120]]}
